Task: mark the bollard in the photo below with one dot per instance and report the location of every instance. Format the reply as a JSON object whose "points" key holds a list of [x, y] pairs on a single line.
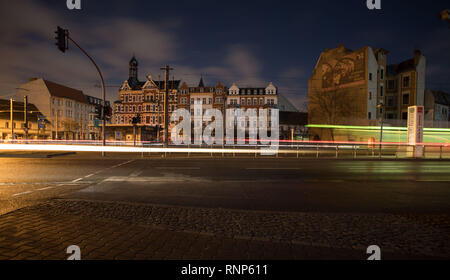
{"points": [[317, 155], [440, 153], [297, 150], [337, 151]]}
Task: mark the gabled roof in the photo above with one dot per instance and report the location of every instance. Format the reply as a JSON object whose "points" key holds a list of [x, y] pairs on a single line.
{"points": [[404, 66], [135, 84], [58, 90]]}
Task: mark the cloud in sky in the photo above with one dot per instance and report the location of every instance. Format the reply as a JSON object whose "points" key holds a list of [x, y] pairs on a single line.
{"points": [[252, 46], [29, 51]]}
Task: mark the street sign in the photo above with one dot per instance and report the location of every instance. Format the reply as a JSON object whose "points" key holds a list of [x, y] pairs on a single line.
{"points": [[96, 122], [41, 122], [415, 131]]}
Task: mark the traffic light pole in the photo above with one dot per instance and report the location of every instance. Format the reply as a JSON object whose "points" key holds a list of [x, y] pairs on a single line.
{"points": [[103, 91], [25, 116]]}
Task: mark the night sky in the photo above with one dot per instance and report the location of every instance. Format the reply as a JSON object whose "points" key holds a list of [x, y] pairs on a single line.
{"points": [[248, 42]]}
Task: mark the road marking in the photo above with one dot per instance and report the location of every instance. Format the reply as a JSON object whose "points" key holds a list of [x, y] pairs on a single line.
{"points": [[120, 164], [270, 168], [443, 181], [136, 173], [324, 181], [17, 194], [90, 175], [179, 168], [43, 189], [76, 180]]}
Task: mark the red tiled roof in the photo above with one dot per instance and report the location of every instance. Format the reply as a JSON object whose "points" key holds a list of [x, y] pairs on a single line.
{"points": [[65, 92]]}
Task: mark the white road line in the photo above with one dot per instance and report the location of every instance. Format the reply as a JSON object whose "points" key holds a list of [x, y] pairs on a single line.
{"points": [[262, 168], [76, 180], [17, 194], [179, 168], [43, 189], [90, 175], [136, 173], [443, 181]]}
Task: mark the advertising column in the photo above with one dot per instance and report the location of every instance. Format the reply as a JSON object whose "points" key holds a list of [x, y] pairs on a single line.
{"points": [[415, 131]]}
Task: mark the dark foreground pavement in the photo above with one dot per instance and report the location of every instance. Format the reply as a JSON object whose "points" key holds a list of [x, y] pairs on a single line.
{"points": [[122, 208]]}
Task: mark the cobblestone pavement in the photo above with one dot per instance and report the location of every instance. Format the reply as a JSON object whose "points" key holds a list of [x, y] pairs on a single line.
{"points": [[106, 230]]}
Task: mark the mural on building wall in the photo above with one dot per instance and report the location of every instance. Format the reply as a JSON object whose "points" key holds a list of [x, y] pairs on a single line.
{"points": [[344, 72]]}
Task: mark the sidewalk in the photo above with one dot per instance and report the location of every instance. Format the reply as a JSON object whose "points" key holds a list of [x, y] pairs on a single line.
{"points": [[45, 231]]}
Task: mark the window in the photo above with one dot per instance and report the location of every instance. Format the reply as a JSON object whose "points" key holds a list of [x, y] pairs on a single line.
{"points": [[261, 101], [242, 101], [390, 116], [382, 74], [391, 84], [370, 115], [370, 76], [381, 91], [370, 95], [6, 124], [405, 99], [406, 81], [204, 100], [255, 101], [249, 101], [210, 101], [390, 101]]}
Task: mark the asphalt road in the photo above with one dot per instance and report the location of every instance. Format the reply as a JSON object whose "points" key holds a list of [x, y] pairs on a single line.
{"points": [[250, 184]]}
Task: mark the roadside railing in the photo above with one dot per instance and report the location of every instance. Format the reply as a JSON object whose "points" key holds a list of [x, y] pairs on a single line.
{"points": [[285, 149]]}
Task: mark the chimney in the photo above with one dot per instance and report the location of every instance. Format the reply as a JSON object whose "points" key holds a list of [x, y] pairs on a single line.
{"points": [[417, 55]]}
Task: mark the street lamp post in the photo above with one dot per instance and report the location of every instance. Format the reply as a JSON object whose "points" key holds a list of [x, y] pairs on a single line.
{"points": [[381, 107]]}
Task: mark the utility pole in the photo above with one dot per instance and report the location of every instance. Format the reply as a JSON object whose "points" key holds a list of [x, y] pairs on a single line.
{"points": [[166, 106], [25, 119], [12, 117], [56, 135]]}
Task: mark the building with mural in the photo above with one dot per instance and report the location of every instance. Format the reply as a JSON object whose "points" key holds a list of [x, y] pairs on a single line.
{"points": [[359, 87]]}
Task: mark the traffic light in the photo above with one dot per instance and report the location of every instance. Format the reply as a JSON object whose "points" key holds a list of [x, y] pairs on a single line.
{"points": [[62, 39], [98, 112]]}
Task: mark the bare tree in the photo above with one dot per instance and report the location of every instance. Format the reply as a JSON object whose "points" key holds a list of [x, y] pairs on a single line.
{"points": [[330, 107]]}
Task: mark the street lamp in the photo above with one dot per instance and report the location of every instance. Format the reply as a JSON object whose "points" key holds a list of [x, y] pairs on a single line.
{"points": [[381, 110]]}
